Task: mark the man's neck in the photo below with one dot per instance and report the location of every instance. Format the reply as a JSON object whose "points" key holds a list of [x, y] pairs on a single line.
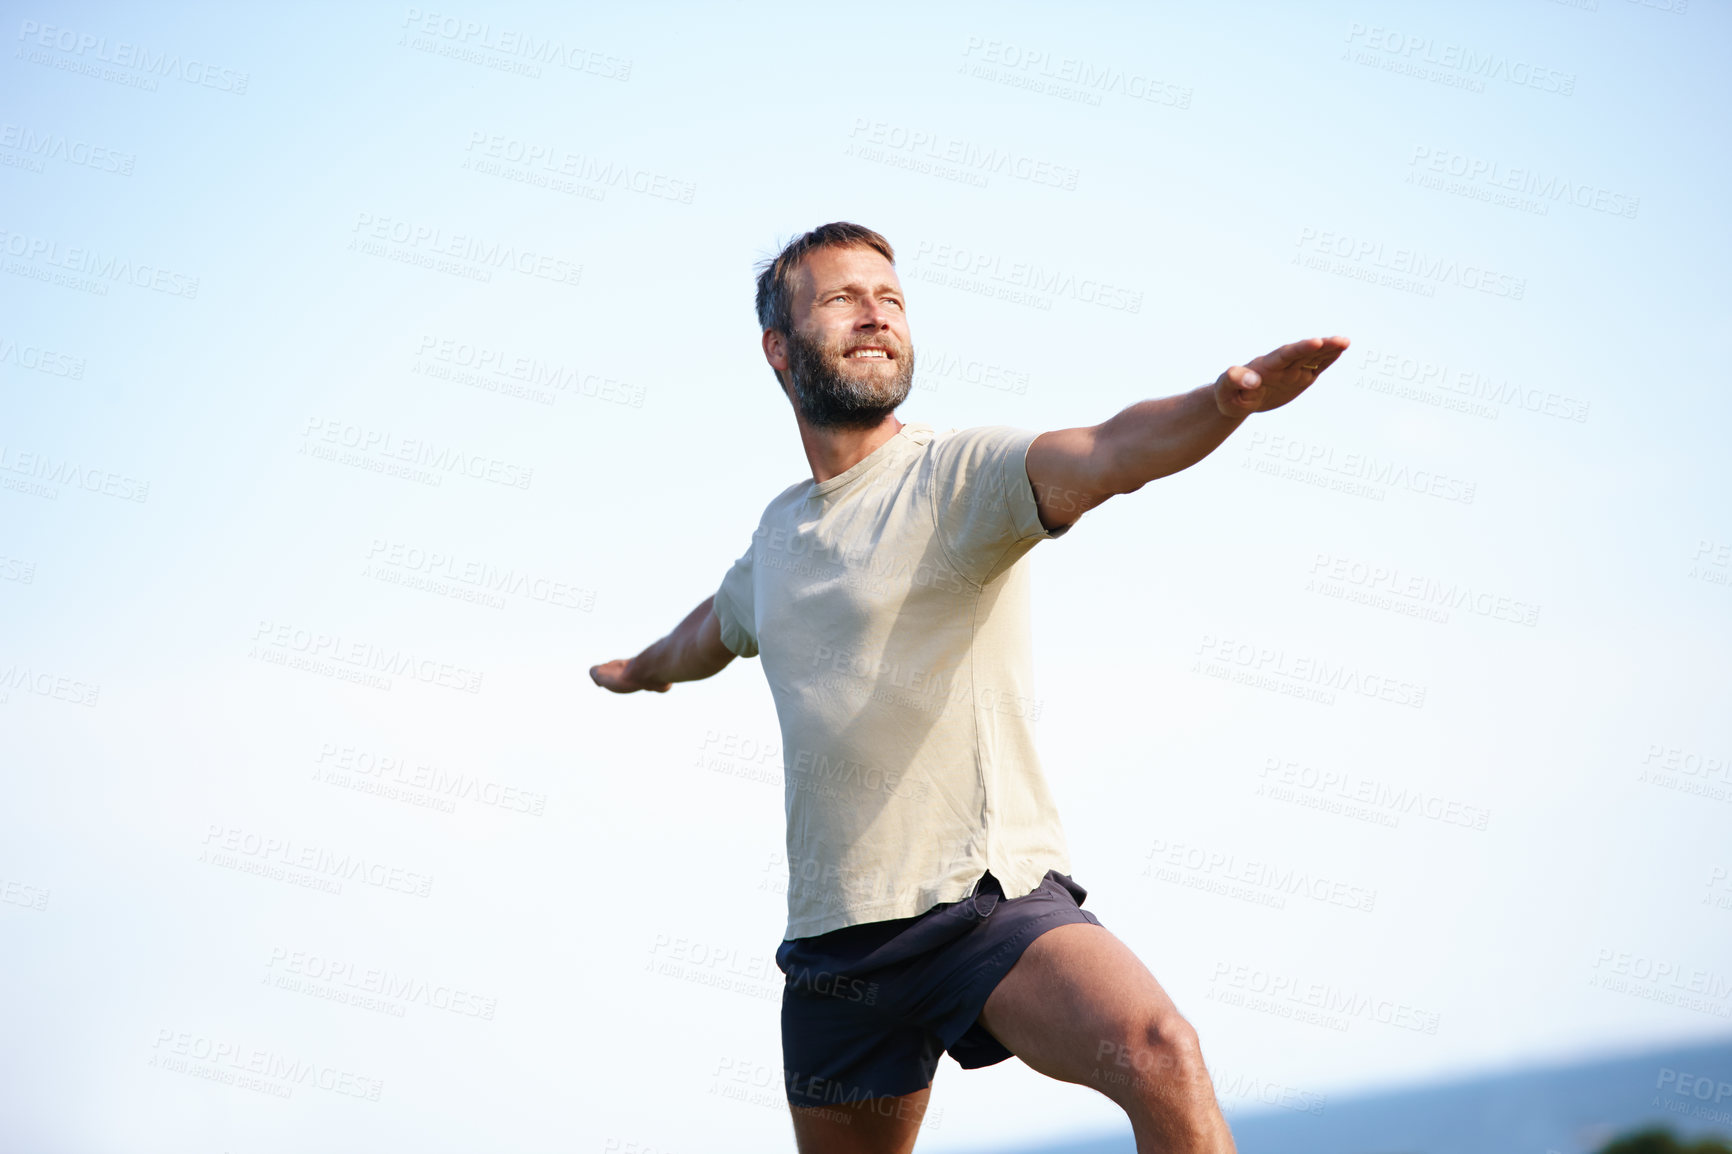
{"points": [[832, 452]]}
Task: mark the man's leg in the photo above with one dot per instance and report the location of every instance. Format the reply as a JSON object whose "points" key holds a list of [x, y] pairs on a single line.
{"points": [[874, 1126], [1078, 1006]]}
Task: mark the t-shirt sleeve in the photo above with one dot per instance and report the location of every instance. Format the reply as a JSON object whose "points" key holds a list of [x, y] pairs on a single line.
{"points": [[983, 502], [735, 608]]}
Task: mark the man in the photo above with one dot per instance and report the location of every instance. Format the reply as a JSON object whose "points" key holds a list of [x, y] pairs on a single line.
{"points": [[930, 907]]}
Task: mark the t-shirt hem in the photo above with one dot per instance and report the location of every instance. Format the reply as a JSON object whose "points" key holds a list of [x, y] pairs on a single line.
{"points": [[883, 912], [890, 911], [1025, 510], [735, 637]]}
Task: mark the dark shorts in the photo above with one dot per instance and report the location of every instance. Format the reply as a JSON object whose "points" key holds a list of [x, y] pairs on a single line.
{"points": [[867, 1009]]}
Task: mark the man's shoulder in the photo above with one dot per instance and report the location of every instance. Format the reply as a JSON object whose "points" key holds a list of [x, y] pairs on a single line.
{"points": [[965, 451]]}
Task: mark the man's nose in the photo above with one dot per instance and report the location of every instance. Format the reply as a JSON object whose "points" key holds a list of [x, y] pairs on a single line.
{"points": [[876, 315]]}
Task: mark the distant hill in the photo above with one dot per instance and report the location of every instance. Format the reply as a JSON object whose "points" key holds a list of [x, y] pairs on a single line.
{"points": [[1565, 1109]]}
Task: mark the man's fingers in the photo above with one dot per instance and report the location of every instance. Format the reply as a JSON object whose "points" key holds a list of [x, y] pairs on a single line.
{"points": [[1331, 352], [607, 675], [1299, 352], [1321, 360], [1313, 354]]}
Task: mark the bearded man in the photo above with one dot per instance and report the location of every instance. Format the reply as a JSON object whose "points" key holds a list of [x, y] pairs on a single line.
{"points": [[930, 904]]}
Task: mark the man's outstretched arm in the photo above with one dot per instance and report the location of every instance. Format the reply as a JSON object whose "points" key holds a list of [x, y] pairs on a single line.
{"points": [[1073, 470], [693, 651]]}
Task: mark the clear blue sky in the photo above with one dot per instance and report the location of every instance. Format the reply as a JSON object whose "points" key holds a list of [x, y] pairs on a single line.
{"points": [[369, 371]]}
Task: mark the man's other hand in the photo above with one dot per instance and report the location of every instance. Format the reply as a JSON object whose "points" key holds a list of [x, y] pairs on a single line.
{"points": [[617, 676], [1275, 378]]}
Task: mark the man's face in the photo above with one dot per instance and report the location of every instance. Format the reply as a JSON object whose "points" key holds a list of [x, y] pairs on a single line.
{"points": [[850, 358]]}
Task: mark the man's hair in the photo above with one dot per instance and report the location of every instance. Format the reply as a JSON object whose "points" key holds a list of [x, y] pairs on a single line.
{"points": [[776, 274]]}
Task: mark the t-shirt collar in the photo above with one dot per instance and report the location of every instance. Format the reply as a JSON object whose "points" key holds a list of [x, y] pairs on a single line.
{"points": [[911, 433]]}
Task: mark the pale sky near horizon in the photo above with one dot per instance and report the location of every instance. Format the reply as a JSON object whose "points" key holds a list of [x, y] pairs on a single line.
{"points": [[422, 336]]}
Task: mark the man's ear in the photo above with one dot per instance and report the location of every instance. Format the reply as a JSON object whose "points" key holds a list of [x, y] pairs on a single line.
{"points": [[776, 351]]}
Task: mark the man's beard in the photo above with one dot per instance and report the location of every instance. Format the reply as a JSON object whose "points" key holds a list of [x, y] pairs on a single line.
{"points": [[830, 398]]}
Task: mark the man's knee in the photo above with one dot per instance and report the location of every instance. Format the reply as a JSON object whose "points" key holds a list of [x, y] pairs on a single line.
{"points": [[1159, 1061]]}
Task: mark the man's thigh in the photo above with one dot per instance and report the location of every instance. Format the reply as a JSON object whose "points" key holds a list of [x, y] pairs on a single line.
{"points": [[1077, 1006], [875, 1126]]}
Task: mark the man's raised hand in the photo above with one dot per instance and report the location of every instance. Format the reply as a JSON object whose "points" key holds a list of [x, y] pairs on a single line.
{"points": [[1275, 378]]}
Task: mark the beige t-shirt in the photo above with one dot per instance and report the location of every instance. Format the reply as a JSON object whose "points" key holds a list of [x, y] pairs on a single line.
{"points": [[890, 607]]}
